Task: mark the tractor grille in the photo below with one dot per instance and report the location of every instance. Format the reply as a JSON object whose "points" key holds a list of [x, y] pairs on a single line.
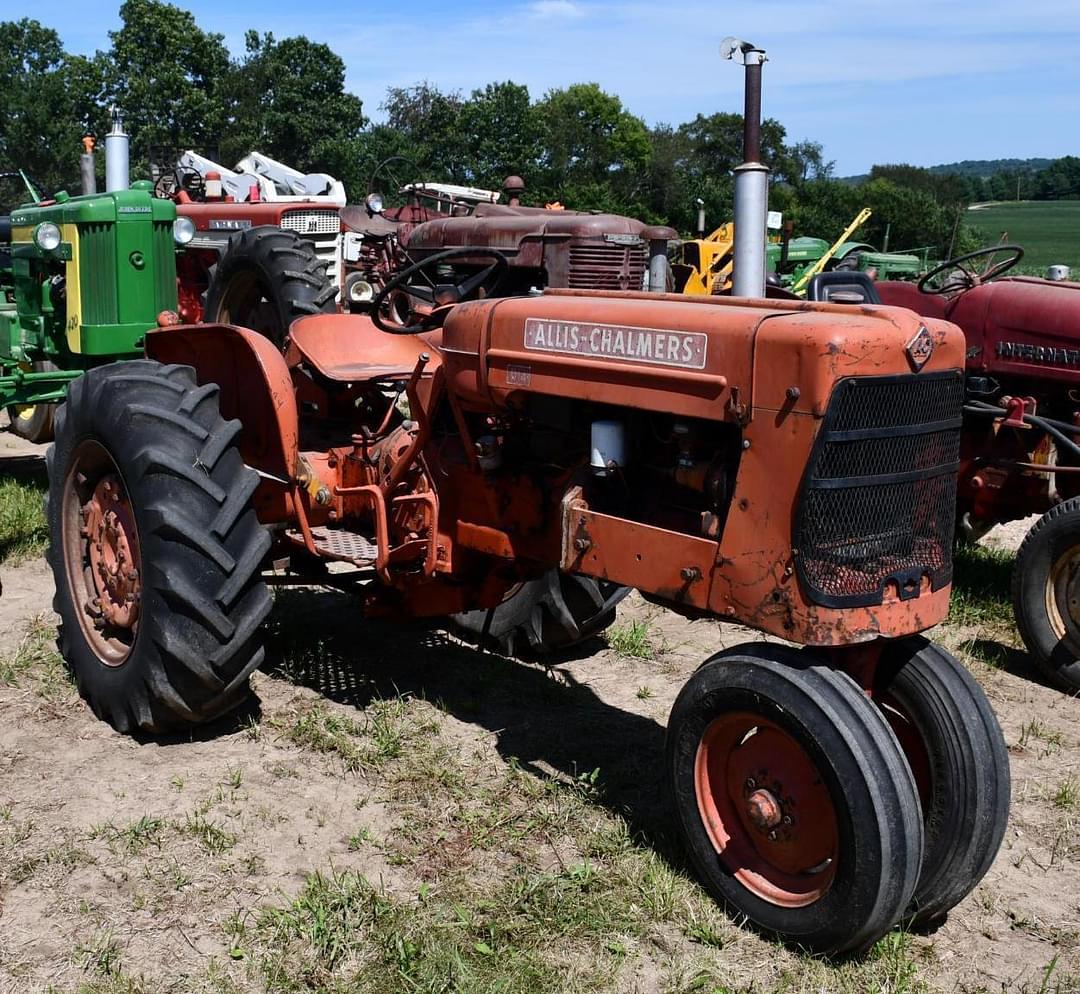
{"points": [[164, 249], [878, 501], [323, 229], [607, 266], [97, 273]]}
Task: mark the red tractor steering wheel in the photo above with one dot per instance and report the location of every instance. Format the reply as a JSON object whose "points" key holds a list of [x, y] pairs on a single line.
{"points": [[962, 277], [438, 296]]}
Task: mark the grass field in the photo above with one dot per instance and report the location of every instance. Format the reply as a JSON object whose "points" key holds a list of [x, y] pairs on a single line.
{"points": [[1049, 231]]}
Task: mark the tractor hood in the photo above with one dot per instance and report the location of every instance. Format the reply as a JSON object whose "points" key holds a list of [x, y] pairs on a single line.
{"points": [[715, 358], [1014, 326]]}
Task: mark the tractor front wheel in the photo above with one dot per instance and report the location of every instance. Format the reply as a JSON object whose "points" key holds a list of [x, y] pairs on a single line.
{"points": [[34, 422], [155, 550], [544, 616], [1046, 594], [267, 278], [793, 799], [956, 751]]}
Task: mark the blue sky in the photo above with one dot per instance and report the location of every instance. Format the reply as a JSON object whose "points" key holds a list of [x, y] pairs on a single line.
{"points": [[921, 81]]}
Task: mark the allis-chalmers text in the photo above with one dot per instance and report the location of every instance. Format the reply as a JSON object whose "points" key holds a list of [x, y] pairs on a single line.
{"points": [[616, 341]]}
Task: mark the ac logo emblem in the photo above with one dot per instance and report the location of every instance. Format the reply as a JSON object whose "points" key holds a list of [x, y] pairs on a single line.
{"points": [[920, 348]]}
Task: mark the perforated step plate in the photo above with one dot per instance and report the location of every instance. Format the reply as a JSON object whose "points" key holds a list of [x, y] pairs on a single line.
{"points": [[337, 543]]}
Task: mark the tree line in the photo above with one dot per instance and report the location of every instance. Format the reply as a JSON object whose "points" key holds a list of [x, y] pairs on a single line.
{"points": [[179, 87]]}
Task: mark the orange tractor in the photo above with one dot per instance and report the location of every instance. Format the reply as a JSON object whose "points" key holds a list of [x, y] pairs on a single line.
{"points": [[784, 465]]}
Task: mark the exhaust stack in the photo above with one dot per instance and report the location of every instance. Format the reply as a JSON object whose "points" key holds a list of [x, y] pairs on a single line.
{"points": [[751, 178], [86, 166], [117, 150]]}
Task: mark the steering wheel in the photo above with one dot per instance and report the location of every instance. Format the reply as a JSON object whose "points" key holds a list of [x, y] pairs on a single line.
{"points": [[384, 170], [438, 295], [967, 277]]}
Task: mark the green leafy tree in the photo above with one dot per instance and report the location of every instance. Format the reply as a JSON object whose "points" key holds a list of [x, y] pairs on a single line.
{"points": [[503, 131], [168, 77], [289, 102], [49, 100]]}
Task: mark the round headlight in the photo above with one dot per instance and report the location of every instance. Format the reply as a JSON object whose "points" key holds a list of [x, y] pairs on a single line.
{"points": [[374, 203], [183, 230], [47, 236]]}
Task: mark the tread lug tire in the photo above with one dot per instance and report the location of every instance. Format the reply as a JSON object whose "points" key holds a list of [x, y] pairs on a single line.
{"points": [[544, 616], [954, 745], [267, 278], [199, 546], [1046, 578], [760, 719]]}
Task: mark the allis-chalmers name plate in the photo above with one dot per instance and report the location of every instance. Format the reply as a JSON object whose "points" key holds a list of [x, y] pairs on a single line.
{"points": [[661, 347]]}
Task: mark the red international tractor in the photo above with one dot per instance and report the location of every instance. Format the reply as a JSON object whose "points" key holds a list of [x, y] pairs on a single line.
{"points": [[544, 247], [1019, 453], [783, 465]]}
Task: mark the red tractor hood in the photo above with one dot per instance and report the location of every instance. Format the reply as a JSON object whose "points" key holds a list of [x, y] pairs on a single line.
{"points": [[1019, 326]]}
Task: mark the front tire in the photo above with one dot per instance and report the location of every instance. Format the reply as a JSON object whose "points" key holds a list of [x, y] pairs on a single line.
{"points": [[1046, 594], [155, 550], [34, 422], [544, 616], [794, 802], [956, 751], [267, 278]]}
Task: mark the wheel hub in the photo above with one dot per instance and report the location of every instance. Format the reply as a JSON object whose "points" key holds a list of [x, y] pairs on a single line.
{"points": [[112, 539], [766, 810]]}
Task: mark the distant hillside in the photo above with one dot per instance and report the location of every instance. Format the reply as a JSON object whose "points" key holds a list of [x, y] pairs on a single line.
{"points": [[987, 167], [980, 168]]}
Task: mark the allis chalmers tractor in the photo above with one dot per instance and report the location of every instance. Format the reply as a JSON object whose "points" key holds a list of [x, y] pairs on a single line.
{"points": [[785, 465], [1019, 452]]}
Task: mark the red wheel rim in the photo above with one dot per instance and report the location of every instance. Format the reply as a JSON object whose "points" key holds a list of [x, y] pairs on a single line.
{"points": [[766, 810], [102, 553]]}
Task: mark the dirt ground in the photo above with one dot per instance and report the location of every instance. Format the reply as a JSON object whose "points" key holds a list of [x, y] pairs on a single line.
{"points": [[149, 859]]}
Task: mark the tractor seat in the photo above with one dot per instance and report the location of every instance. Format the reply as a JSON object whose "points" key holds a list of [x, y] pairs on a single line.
{"points": [[356, 217], [350, 349], [843, 286]]}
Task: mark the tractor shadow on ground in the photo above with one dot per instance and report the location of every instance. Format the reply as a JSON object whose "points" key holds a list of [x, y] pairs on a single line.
{"points": [[540, 715], [1009, 659]]}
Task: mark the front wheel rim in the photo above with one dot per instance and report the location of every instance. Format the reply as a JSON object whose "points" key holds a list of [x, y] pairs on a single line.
{"points": [[102, 553], [766, 810], [1062, 594]]}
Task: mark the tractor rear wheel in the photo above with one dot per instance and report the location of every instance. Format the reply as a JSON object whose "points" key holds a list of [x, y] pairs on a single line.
{"points": [[793, 799], [956, 751], [546, 615], [34, 422], [1046, 593], [155, 550], [267, 278]]}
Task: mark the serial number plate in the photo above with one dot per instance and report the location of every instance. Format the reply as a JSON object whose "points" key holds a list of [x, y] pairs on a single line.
{"points": [[229, 224], [687, 350]]}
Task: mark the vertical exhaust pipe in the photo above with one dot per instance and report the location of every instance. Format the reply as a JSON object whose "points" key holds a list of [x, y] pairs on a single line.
{"points": [[751, 178], [117, 151], [87, 173]]}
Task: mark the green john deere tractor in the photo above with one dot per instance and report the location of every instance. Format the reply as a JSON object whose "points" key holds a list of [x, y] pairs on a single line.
{"points": [[82, 279]]}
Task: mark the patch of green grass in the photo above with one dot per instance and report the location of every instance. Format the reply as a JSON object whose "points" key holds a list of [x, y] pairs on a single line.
{"points": [[208, 833], [35, 661], [23, 532], [1049, 231], [982, 587], [370, 740], [133, 838], [633, 639], [1067, 795]]}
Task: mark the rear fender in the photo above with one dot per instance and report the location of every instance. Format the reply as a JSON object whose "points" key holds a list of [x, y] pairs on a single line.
{"points": [[255, 387]]}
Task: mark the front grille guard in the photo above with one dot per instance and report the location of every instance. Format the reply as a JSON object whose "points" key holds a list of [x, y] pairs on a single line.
{"points": [[878, 500]]}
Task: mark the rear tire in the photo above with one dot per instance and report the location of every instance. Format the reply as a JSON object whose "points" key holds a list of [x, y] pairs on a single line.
{"points": [[546, 615], [154, 547], [757, 732], [1046, 594], [956, 751], [267, 278]]}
